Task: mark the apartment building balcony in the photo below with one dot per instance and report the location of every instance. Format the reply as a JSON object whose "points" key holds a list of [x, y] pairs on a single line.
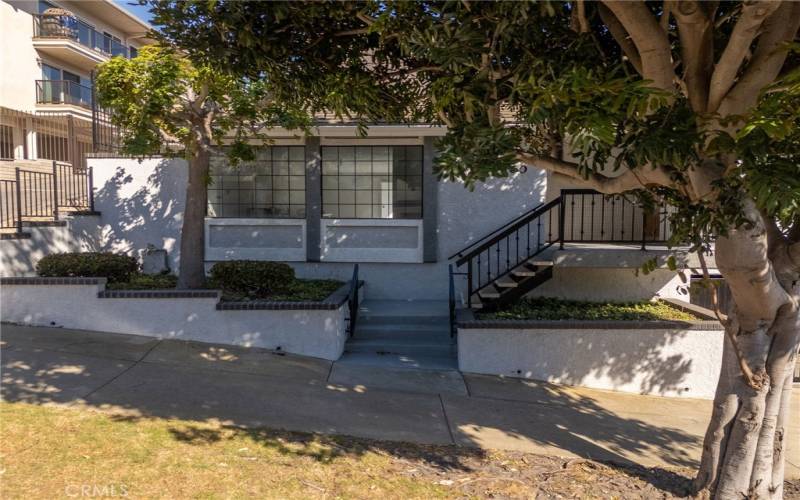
{"points": [[64, 96], [63, 36]]}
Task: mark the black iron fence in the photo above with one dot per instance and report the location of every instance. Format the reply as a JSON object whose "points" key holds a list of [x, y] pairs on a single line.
{"points": [[46, 135], [592, 217], [42, 194]]}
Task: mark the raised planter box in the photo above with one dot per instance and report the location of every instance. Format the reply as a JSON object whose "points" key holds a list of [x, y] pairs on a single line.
{"points": [[317, 329], [664, 358]]}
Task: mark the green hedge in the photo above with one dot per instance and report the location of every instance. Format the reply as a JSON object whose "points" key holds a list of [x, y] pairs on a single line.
{"points": [[115, 267], [252, 278]]}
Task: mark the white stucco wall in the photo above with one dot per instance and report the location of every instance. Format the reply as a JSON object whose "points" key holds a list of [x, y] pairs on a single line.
{"points": [[142, 203], [317, 333], [657, 361], [18, 59], [18, 257]]}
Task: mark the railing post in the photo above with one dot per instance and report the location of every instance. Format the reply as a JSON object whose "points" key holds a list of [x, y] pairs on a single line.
{"points": [[561, 213], [469, 283], [91, 188], [19, 201], [55, 190], [644, 233]]}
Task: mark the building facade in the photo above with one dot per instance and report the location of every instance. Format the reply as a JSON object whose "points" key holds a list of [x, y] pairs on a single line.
{"points": [[48, 50]]}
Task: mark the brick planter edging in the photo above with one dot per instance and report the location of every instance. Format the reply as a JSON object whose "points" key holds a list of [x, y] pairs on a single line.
{"points": [[159, 294], [465, 319], [39, 280], [332, 302]]}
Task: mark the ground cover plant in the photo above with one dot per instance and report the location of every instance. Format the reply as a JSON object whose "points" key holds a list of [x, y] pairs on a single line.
{"points": [[550, 308]]}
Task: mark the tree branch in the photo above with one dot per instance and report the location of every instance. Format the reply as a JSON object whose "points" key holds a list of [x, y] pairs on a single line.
{"points": [[697, 50], [738, 47], [646, 177], [621, 36], [777, 30], [650, 40]]}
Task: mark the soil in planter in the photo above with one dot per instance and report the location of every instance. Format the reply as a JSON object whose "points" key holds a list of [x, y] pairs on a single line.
{"points": [[549, 308]]}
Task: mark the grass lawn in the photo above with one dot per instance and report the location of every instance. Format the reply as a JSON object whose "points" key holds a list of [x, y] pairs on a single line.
{"points": [[546, 308], [48, 452]]}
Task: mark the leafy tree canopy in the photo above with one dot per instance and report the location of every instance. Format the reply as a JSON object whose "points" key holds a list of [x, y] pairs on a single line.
{"points": [[163, 102], [518, 80]]}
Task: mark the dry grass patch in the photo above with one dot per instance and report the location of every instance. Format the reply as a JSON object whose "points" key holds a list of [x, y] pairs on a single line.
{"points": [[46, 450]]}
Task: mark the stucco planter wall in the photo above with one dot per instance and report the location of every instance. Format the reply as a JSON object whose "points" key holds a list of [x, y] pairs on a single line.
{"points": [[664, 358], [315, 329]]}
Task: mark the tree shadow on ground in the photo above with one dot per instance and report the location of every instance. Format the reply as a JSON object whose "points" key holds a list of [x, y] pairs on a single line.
{"points": [[239, 402]]}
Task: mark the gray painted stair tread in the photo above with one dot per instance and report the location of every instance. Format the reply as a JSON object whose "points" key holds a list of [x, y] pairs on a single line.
{"points": [[354, 375], [539, 262], [506, 283], [404, 308], [484, 294], [399, 361], [524, 272]]}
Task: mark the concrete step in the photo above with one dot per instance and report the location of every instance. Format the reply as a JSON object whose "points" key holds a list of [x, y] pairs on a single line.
{"points": [[380, 327], [370, 377], [391, 361], [368, 319], [401, 347]]}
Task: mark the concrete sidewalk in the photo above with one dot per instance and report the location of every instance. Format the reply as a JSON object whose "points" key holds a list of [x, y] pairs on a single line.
{"points": [[250, 387]]}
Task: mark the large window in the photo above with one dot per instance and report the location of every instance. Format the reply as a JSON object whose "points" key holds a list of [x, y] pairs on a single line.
{"points": [[372, 182], [273, 185]]}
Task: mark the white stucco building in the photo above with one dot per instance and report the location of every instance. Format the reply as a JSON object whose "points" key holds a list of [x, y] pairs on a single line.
{"points": [[48, 50]]}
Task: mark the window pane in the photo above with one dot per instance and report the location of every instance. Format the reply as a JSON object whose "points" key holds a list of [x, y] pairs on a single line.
{"points": [[372, 181], [259, 188]]}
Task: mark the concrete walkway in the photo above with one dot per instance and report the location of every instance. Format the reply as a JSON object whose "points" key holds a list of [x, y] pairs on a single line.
{"points": [[175, 379]]}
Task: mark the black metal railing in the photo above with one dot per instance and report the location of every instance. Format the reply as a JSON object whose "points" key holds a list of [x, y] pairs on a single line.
{"points": [[63, 92], [496, 255], [41, 195], [576, 216], [352, 302], [70, 28], [592, 217]]}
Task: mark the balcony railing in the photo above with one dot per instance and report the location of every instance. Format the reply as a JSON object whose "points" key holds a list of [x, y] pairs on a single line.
{"points": [[63, 92], [70, 28]]}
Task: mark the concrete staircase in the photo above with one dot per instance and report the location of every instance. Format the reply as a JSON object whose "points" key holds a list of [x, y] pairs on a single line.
{"points": [[402, 334]]}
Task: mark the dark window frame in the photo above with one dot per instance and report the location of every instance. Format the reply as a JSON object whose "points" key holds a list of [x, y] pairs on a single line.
{"points": [[253, 204], [418, 204]]}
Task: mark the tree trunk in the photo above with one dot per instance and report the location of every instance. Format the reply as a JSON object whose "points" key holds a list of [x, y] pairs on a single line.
{"points": [[192, 273], [744, 444]]}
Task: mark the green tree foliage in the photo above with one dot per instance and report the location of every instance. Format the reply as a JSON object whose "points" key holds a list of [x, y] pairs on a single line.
{"points": [[165, 103]]}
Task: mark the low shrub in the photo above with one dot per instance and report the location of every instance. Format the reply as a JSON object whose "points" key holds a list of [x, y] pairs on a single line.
{"points": [[115, 267], [251, 278]]}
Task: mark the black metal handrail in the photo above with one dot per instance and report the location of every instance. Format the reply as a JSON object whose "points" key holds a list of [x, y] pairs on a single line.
{"points": [[452, 300], [63, 92], [576, 216], [593, 217], [39, 194], [484, 238], [510, 228], [497, 256], [352, 302]]}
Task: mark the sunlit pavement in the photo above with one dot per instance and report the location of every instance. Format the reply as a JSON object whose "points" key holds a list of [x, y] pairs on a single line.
{"points": [[251, 387]]}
